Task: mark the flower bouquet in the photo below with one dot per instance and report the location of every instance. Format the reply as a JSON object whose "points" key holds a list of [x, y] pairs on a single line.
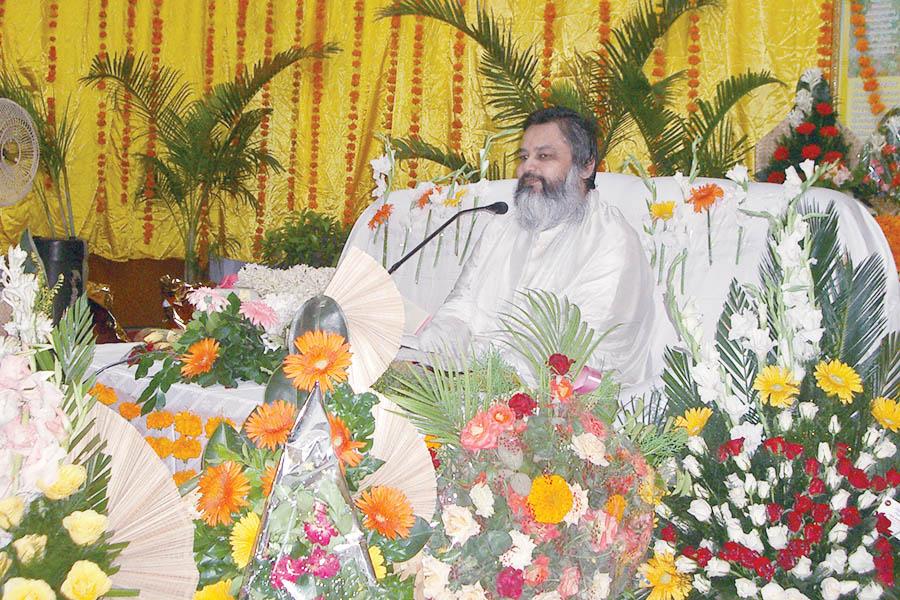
{"points": [[787, 489], [879, 166]]}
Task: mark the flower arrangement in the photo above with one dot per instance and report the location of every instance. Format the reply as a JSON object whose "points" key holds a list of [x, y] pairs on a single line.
{"points": [[879, 166], [224, 343], [786, 485]]}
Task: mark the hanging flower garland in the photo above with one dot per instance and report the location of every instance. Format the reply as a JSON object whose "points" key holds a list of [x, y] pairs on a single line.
{"points": [[826, 30], [866, 69], [241, 36], [262, 176], [459, 48], [549, 39], [100, 193], [314, 124], [2, 15], [416, 93], [659, 55], [296, 74], [124, 163], [52, 19], [156, 39], [353, 114], [694, 60], [393, 52], [208, 70]]}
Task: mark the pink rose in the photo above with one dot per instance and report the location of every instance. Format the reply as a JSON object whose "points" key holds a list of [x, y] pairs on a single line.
{"points": [[568, 583], [537, 571], [502, 416], [14, 370], [479, 434], [593, 425]]}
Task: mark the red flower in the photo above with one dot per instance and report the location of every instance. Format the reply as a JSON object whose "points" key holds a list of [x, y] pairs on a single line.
{"points": [[781, 153], [776, 177], [816, 486], [811, 466], [668, 533], [850, 516], [883, 525], [805, 128], [858, 479], [883, 546], [841, 449], [812, 533], [879, 483], [794, 521], [703, 556], [802, 504], [798, 547], [748, 557], [884, 567], [811, 151], [774, 445], [560, 363], [774, 511], [434, 458], [828, 131], [730, 448], [824, 109], [786, 560], [509, 583], [833, 156], [522, 404], [792, 450], [893, 477], [764, 568], [821, 512], [731, 551], [844, 466]]}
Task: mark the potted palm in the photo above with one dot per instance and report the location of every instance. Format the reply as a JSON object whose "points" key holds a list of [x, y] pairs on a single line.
{"points": [[61, 251], [208, 155]]}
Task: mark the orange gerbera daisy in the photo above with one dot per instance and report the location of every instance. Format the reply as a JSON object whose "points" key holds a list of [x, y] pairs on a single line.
{"points": [[267, 480], [270, 424], [223, 492], [387, 511], [104, 394], [323, 359], [200, 357], [343, 444], [705, 196]]}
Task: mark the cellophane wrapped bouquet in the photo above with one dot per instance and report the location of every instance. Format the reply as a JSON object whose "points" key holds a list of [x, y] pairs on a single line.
{"points": [[787, 489]]}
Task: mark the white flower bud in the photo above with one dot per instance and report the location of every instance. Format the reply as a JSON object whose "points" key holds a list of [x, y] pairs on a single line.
{"points": [[697, 445], [700, 510], [834, 426], [836, 560], [866, 500], [746, 588], [839, 500], [763, 488], [824, 453], [692, 466], [700, 491], [685, 564], [808, 410], [742, 461], [838, 533], [885, 449], [777, 536], [861, 561], [833, 478], [871, 437], [803, 568], [864, 461], [786, 470], [785, 420], [757, 514]]}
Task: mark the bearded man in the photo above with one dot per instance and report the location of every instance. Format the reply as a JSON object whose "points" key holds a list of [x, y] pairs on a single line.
{"points": [[562, 238]]}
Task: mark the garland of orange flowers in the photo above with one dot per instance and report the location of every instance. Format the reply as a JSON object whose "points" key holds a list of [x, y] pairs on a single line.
{"points": [[603, 30], [52, 20], [459, 49], [353, 115], [866, 70], [416, 93], [124, 163], [262, 176], [393, 52], [2, 15], [100, 193], [314, 120], [295, 108], [208, 70], [241, 35], [659, 55], [156, 40], [693, 60], [825, 38], [547, 57]]}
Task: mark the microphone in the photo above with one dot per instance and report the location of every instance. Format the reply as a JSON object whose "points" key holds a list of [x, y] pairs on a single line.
{"points": [[498, 208]]}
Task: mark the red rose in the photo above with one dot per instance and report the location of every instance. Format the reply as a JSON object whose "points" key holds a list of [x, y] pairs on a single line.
{"points": [[879, 483], [509, 583], [802, 504], [805, 128], [774, 511], [731, 551], [858, 478], [883, 545], [833, 156], [828, 131], [798, 547], [824, 109], [811, 151], [841, 449], [792, 450], [522, 404], [690, 552], [560, 363], [850, 516], [776, 177], [844, 466], [794, 521], [884, 567], [816, 486], [812, 533], [821, 512], [893, 477], [781, 153], [748, 557], [703, 556], [668, 533], [811, 466], [786, 560], [774, 445], [883, 525], [764, 568]]}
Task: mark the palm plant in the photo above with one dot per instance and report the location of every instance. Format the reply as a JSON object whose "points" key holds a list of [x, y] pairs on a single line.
{"points": [[208, 153], [610, 87]]}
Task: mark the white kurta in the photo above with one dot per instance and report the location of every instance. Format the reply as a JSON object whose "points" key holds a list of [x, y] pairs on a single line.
{"points": [[598, 265]]}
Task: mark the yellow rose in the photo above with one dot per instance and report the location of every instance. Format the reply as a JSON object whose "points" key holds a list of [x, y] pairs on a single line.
{"points": [[68, 479], [85, 527], [5, 561], [18, 588], [85, 581], [215, 591], [30, 548], [12, 508]]}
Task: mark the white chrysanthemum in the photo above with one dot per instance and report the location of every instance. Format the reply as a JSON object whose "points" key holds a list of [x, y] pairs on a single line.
{"points": [[519, 554], [483, 499]]}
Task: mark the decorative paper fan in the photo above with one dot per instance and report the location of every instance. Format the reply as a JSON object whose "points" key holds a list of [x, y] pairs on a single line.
{"points": [[407, 462], [373, 309], [146, 510]]}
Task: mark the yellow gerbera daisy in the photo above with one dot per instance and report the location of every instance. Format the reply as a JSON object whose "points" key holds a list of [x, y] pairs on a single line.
{"points": [[662, 211], [887, 413], [694, 420], [377, 562], [323, 358], [243, 535], [663, 578], [215, 591], [838, 379], [776, 386], [550, 498]]}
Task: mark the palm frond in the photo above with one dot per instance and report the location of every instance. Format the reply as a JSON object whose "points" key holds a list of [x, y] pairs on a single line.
{"points": [[412, 148], [738, 362], [711, 114], [679, 387], [647, 426], [857, 322], [885, 378]]}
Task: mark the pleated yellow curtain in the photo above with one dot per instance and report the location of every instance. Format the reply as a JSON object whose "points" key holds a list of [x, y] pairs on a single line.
{"points": [[402, 76]]}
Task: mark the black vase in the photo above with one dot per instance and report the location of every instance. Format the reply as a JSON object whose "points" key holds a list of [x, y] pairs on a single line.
{"points": [[66, 258]]}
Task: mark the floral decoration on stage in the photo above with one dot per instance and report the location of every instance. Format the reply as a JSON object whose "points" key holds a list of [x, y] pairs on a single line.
{"points": [[879, 166], [786, 490]]}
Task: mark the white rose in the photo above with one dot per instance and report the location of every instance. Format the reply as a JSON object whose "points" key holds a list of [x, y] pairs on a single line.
{"points": [[663, 547], [786, 470], [742, 461], [600, 584], [833, 478], [834, 426], [519, 554], [435, 576], [866, 500], [838, 533], [861, 561], [824, 453], [746, 588], [459, 524], [716, 567], [701, 583], [471, 592], [832, 589], [839, 500], [757, 514], [691, 465], [483, 499], [763, 488], [873, 591], [697, 445], [864, 461], [871, 437], [738, 497], [885, 449], [700, 510], [777, 536], [836, 560], [750, 483], [785, 420], [685, 564], [589, 447], [808, 410], [803, 568]]}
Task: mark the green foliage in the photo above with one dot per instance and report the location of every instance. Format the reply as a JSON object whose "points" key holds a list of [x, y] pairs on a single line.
{"points": [[646, 425], [305, 238]]}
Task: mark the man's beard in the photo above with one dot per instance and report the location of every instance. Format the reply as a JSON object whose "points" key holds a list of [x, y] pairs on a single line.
{"points": [[557, 202]]}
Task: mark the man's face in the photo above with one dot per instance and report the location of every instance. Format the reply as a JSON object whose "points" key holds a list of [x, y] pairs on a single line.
{"points": [[544, 158]]}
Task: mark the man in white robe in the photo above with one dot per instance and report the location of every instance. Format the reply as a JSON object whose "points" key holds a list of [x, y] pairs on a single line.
{"points": [[561, 237]]}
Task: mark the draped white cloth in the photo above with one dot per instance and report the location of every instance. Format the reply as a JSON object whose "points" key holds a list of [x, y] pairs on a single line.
{"points": [[598, 264]]}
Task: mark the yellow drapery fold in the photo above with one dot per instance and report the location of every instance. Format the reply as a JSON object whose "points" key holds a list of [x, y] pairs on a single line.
{"points": [[331, 122]]}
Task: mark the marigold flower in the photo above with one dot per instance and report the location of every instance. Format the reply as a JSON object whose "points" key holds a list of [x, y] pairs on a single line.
{"points": [[104, 394], [705, 196], [187, 423], [270, 424], [387, 511], [179, 477], [615, 507], [161, 445], [223, 492], [213, 423], [550, 499], [130, 410], [838, 379], [159, 419], [323, 358], [186, 448], [200, 357], [887, 413]]}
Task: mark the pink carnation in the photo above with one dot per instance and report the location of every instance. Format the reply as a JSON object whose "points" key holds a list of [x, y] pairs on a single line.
{"points": [[322, 563], [259, 313], [286, 569], [509, 583], [593, 425], [537, 571], [568, 583], [479, 434]]}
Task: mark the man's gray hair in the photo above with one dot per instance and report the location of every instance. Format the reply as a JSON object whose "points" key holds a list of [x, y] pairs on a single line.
{"points": [[580, 133]]}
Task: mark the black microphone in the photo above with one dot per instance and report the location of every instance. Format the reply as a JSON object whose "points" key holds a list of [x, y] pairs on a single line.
{"points": [[498, 208]]}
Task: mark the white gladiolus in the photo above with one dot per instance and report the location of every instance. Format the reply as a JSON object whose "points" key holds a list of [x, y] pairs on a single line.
{"points": [[811, 77], [735, 408], [861, 561], [795, 117], [808, 410], [803, 101], [757, 514], [838, 533], [778, 536], [803, 568], [716, 567], [836, 560], [700, 510], [746, 588], [742, 323], [808, 166]]}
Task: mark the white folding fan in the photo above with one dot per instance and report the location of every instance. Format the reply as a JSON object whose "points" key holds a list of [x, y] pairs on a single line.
{"points": [[407, 462], [373, 309], [146, 510]]}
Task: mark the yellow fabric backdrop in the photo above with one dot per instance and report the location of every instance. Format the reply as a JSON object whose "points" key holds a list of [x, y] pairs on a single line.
{"points": [[771, 34]]}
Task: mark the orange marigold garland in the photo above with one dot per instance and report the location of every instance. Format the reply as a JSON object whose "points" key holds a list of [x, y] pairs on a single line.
{"points": [[156, 40], [296, 74], [159, 419], [694, 60], [189, 424], [2, 15], [240, 36], [52, 22], [866, 68], [185, 448], [124, 157], [130, 410], [180, 477], [213, 423], [456, 86], [208, 70], [416, 93], [387, 511], [270, 424], [100, 196], [223, 492], [342, 442], [200, 357], [393, 52], [547, 55], [353, 113], [104, 394], [262, 176], [826, 32], [323, 359], [318, 69], [659, 55]]}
